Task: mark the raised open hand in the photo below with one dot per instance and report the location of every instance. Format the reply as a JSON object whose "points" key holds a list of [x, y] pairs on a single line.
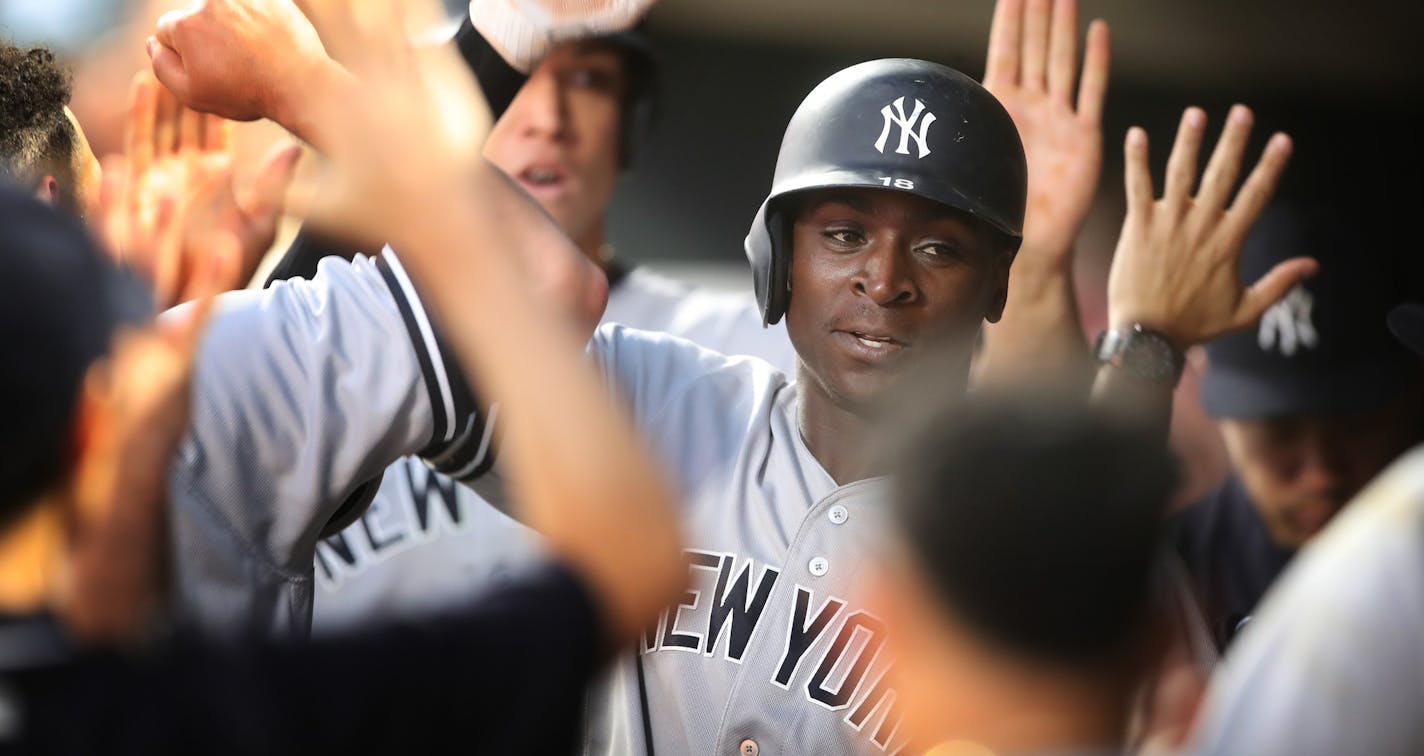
{"points": [[1176, 266], [174, 186], [1033, 69]]}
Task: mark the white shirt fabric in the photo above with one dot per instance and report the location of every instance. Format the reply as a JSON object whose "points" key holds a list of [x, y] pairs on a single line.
{"points": [[1333, 663]]}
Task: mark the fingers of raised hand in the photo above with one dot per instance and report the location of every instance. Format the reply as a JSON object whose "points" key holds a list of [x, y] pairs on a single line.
{"points": [[1272, 288], [1063, 51], [1005, 40], [1093, 89], [217, 134], [143, 113], [191, 126], [167, 124], [1182, 164], [1225, 164], [266, 197], [1140, 195], [1259, 187], [1034, 59]]}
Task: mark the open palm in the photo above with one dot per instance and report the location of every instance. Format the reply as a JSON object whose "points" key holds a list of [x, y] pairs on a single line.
{"points": [[1032, 69]]}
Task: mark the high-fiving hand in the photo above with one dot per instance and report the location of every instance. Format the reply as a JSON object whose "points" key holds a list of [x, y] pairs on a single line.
{"points": [[1176, 265], [174, 186], [1032, 69]]}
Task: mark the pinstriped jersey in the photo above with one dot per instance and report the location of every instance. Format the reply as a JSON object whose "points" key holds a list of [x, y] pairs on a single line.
{"points": [[302, 393], [427, 541], [771, 644]]}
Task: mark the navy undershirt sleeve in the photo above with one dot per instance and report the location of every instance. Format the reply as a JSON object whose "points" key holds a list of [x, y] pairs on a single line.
{"points": [[505, 676]]}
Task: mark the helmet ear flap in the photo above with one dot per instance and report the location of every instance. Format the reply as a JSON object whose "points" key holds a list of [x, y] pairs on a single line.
{"points": [[778, 225]]}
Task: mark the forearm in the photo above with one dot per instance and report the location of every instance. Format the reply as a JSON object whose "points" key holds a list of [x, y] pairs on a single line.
{"points": [[583, 476], [1149, 403], [303, 110], [1040, 336]]}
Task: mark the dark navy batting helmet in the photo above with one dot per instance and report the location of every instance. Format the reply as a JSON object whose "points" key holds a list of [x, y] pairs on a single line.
{"points": [[899, 124]]}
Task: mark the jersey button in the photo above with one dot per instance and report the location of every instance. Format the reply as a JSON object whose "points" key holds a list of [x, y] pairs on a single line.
{"points": [[818, 566], [749, 747], [838, 514]]}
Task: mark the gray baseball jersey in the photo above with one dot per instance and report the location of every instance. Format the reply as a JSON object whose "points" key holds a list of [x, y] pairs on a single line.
{"points": [[301, 393], [770, 649], [427, 542], [770, 645]]}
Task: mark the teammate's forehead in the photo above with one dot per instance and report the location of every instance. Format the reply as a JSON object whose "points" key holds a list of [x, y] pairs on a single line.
{"points": [[589, 51]]}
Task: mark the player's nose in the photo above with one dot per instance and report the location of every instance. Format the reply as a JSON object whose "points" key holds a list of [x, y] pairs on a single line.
{"points": [[542, 108]]}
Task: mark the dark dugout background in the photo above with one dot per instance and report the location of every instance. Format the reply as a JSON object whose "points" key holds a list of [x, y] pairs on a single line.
{"points": [[1343, 78]]}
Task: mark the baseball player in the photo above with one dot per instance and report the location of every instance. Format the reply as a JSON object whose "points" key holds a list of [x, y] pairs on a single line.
{"points": [[426, 540], [897, 206]]}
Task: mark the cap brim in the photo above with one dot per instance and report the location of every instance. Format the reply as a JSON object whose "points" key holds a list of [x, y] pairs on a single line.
{"points": [[1252, 394], [1406, 322]]}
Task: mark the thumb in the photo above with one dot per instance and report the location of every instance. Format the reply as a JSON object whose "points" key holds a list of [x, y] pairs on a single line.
{"points": [[1273, 287], [168, 68], [265, 199]]}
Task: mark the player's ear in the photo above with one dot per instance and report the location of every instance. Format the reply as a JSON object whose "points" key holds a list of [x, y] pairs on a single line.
{"points": [[48, 190]]}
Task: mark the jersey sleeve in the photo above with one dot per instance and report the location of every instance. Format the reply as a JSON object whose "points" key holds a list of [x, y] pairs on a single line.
{"points": [[303, 393], [670, 385]]}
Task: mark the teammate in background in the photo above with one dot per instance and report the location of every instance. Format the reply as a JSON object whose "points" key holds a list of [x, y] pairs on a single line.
{"points": [[1312, 404], [1030, 627], [568, 123], [902, 233], [1331, 662], [42, 149], [619, 556]]}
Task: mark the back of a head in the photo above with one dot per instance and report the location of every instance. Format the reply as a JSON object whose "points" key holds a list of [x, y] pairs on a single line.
{"points": [[1037, 524], [36, 137], [60, 301]]}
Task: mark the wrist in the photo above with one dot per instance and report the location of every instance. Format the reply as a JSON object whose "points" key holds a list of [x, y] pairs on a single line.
{"points": [[1140, 351], [300, 111]]}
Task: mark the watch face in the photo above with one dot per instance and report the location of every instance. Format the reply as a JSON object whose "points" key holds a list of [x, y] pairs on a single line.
{"points": [[1151, 357]]}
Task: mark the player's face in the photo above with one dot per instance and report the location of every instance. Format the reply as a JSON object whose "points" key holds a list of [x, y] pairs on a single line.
{"points": [[560, 137], [1300, 470], [876, 277]]}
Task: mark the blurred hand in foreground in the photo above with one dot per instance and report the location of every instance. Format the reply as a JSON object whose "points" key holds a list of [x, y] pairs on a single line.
{"points": [[174, 186]]}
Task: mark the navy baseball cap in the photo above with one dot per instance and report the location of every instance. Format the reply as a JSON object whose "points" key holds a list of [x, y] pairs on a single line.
{"points": [[1325, 347], [60, 303]]}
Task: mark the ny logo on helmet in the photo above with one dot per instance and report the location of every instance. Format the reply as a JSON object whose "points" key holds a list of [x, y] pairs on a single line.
{"points": [[896, 116], [1287, 325]]}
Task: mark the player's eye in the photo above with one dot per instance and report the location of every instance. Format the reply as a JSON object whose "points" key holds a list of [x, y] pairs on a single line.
{"points": [[942, 251], [591, 78], [844, 237]]}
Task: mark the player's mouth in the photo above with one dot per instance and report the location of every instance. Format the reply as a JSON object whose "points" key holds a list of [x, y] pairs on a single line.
{"points": [[543, 181], [871, 344]]}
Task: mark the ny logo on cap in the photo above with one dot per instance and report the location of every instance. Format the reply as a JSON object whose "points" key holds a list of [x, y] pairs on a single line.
{"points": [[1287, 324], [897, 117]]}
